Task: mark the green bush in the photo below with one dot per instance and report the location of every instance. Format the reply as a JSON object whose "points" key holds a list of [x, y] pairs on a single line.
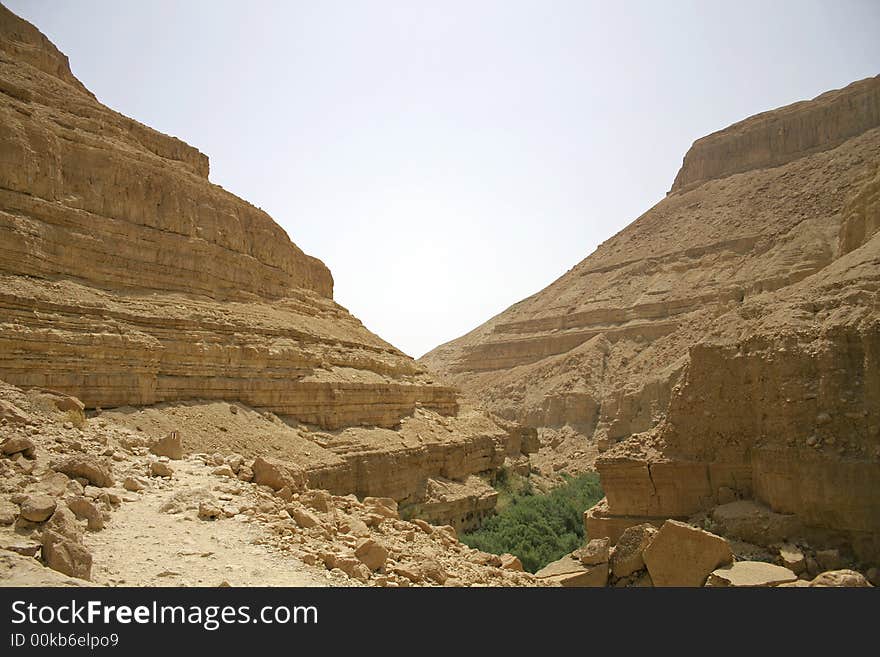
{"points": [[539, 528]]}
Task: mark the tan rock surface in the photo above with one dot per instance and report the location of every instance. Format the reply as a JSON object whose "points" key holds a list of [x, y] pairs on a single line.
{"points": [[840, 578], [681, 555], [751, 574]]}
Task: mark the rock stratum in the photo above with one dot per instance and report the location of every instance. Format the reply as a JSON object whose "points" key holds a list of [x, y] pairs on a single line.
{"points": [[724, 345], [129, 281]]}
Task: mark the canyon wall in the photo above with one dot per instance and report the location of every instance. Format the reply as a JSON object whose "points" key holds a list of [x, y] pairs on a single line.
{"points": [[128, 279], [724, 345]]}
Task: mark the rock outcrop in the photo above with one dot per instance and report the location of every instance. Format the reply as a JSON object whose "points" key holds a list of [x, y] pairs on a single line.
{"points": [[128, 279], [723, 346]]}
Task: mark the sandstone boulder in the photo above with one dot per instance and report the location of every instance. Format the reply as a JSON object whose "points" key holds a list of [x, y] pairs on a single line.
{"points": [[87, 467], [383, 506], [66, 556], [277, 474], [12, 413], [160, 469], [83, 507], [594, 552], [37, 508], [54, 483], [682, 555], [626, 558], [224, 470], [511, 562], [840, 578], [750, 574], [303, 518], [170, 446], [792, 558], [18, 445], [319, 500], [17, 570], [134, 484], [571, 573], [371, 553]]}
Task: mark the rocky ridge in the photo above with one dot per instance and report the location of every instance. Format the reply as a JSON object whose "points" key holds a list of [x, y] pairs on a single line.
{"points": [[724, 345]]}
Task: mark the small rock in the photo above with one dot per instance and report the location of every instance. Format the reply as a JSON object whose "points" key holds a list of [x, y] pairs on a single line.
{"points": [[38, 507], [424, 526], [371, 553], [302, 517], [594, 552], [159, 469], [511, 562], [209, 511], [223, 471], [792, 558], [170, 446], [840, 578], [19, 445], [319, 500], [88, 467], [384, 506], [133, 484]]}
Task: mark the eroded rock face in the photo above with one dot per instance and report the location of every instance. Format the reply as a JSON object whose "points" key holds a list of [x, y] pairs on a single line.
{"points": [[147, 283], [724, 346], [128, 279]]}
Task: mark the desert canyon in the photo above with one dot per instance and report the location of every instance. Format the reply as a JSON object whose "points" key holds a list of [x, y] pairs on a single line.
{"points": [[182, 403]]}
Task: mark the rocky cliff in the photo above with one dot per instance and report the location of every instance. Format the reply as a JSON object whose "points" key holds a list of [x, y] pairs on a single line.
{"points": [[128, 279], [724, 344]]}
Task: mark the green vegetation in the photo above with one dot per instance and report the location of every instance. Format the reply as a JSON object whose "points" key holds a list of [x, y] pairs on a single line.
{"points": [[537, 528]]}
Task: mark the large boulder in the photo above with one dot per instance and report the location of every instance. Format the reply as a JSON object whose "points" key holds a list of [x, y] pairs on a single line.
{"points": [[66, 556], [18, 445], [12, 413], [278, 474], [751, 574], [682, 555], [96, 471], [571, 573], [626, 557], [62, 545], [17, 570], [38, 507], [371, 553]]}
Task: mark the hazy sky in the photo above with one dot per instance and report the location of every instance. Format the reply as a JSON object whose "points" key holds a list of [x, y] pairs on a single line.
{"points": [[447, 159]]}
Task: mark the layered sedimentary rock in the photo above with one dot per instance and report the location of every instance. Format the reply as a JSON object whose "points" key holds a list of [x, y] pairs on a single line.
{"points": [[727, 339], [128, 279]]}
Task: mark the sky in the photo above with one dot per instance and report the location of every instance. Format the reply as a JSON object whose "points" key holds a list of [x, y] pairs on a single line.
{"points": [[446, 159]]}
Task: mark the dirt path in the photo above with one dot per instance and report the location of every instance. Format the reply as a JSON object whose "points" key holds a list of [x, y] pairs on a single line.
{"points": [[144, 546]]}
